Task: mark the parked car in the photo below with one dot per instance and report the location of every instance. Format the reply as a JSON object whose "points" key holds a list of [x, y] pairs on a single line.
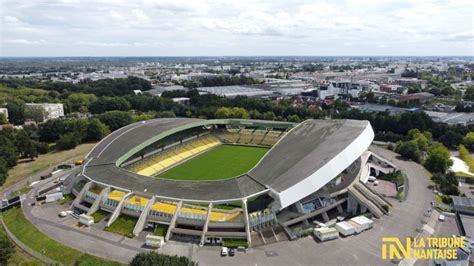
{"points": [[224, 251], [231, 252]]}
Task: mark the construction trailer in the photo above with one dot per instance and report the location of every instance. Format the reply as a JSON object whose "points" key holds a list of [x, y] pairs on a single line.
{"points": [[345, 228], [326, 233]]}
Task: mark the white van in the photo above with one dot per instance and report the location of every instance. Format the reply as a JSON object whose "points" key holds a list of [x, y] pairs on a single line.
{"points": [[224, 251]]}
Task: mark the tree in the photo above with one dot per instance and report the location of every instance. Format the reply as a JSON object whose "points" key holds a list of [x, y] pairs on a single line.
{"points": [[26, 147], [8, 151], [235, 112], [469, 94], [68, 141], [293, 118], [155, 259], [447, 183], [6, 250], [3, 119], [96, 130], [451, 139], [35, 113], [468, 140], [42, 147], [79, 102], [3, 171], [16, 112], [409, 150], [438, 159], [269, 116], [116, 119]]}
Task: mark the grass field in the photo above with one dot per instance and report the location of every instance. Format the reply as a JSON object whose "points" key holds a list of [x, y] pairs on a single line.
{"points": [[123, 226], [161, 230], [67, 198], [222, 162], [36, 240], [26, 169], [99, 215], [19, 257]]}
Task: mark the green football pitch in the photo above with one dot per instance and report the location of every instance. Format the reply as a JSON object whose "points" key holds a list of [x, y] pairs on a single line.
{"points": [[222, 162]]}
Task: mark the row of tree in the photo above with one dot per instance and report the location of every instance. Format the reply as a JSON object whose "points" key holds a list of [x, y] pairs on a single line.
{"points": [[433, 155]]}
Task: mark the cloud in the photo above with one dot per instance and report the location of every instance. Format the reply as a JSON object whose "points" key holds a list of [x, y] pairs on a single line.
{"points": [[460, 37], [26, 42], [246, 27]]}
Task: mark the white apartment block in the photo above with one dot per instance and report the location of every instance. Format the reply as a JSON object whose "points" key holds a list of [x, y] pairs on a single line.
{"points": [[52, 110]]}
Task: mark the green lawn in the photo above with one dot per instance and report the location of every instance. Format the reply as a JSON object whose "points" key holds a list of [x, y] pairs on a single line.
{"points": [[222, 162], [123, 226], [19, 257], [99, 215], [161, 230], [233, 243], [36, 240], [67, 198]]}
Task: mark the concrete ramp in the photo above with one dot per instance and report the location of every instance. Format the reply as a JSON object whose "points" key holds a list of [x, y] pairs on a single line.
{"points": [[380, 200], [364, 201]]}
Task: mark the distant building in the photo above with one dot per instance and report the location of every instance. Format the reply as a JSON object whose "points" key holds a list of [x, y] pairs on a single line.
{"points": [[51, 110], [463, 204], [235, 90], [182, 100], [159, 89], [416, 98], [452, 118], [4, 111]]}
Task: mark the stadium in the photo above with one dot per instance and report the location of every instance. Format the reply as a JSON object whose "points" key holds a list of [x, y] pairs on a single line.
{"points": [[248, 180]]}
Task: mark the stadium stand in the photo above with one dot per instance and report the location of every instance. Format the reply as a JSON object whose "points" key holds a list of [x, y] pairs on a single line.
{"points": [[171, 156], [250, 136]]}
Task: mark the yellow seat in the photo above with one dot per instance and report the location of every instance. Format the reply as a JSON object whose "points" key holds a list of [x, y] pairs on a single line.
{"points": [[164, 207], [116, 195], [167, 162], [147, 171], [137, 200]]}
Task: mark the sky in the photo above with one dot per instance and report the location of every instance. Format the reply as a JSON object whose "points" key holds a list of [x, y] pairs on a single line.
{"points": [[236, 28]]}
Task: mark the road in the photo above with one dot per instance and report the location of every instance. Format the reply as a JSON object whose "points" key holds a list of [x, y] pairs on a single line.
{"points": [[363, 249]]}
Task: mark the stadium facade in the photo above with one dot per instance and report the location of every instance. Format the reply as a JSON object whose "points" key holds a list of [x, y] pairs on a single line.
{"points": [[312, 170]]}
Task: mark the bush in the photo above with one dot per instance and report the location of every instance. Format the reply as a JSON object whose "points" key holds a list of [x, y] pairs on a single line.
{"points": [[96, 130], [466, 157], [233, 243], [409, 150], [42, 147], [438, 159], [446, 199], [391, 147], [3, 171], [6, 250], [395, 177], [68, 141], [155, 259]]}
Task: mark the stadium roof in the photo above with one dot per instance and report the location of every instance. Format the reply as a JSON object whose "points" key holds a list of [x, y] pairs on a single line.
{"points": [[305, 149]]}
